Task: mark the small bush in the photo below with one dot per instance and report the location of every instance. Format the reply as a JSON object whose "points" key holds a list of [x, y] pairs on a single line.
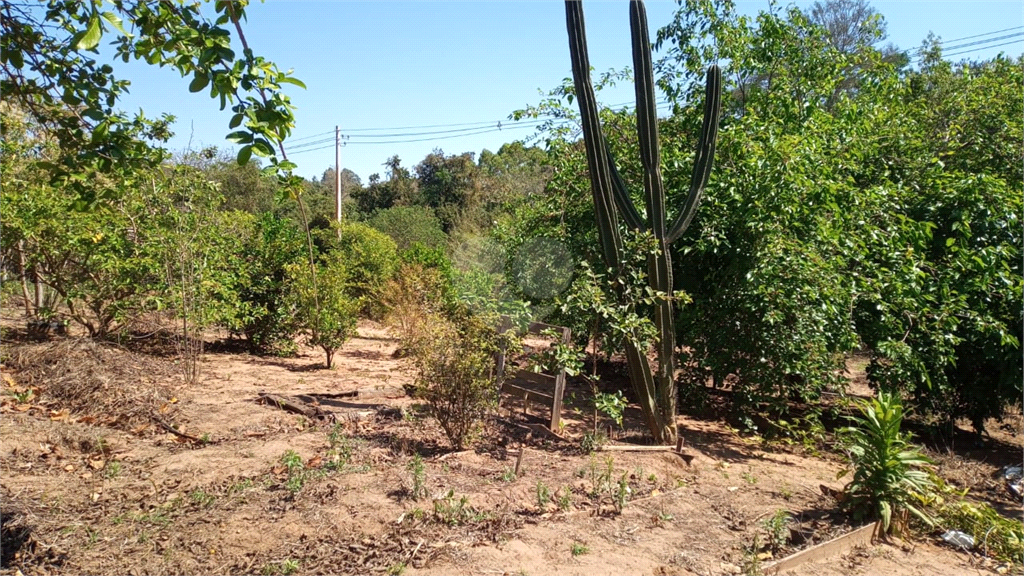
{"points": [[370, 257], [888, 478], [455, 361], [324, 309]]}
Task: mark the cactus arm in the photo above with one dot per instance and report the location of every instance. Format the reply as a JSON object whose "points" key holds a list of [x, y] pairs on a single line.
{"points": [[647, 119], [705, 153], [597, 156], [622, 199]]}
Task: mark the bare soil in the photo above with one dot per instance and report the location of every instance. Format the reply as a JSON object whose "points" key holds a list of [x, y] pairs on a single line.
{"points": [[95, 482]]}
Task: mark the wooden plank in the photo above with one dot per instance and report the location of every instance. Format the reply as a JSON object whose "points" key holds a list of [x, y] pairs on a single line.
{"points": [[531, 395], [862, 536], [634, 448], [538, 378], [538, 327]]}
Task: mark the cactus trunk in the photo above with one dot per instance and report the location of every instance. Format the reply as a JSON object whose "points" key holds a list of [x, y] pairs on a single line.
{"points": [[656, 392]]}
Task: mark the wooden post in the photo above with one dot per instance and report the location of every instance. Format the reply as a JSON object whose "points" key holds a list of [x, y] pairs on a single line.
{"points": [[556, 408], [337, 177]]}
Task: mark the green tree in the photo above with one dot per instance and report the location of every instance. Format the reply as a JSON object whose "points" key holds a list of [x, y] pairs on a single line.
{"points": [[325, 310], [50, 69], [408, 225], [451, 186]]}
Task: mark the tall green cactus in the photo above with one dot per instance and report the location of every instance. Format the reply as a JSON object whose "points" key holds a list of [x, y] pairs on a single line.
{"points": [[656, 391]]}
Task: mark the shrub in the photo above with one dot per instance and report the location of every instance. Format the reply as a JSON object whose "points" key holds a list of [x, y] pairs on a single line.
{"points": [[370, 257], [324, 309], [263, 315], [408, 225], [455, 361], [411, 296], [888, 478]]}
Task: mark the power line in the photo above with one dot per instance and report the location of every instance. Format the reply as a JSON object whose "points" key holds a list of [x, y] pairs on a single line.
{"points": [[944, 44], [421, 127], [982, 48], [987, 41], [984, 34], [308, 137], [498, 126], [313, 143]]}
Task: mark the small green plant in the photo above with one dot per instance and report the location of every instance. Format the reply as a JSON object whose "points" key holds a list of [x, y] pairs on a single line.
{"points": [[419, 488], [23, 397], [112, 470], [240, 486], [292, 461], [591, 441], [340, 452], [777, 528], [508, 475], [565, 498], [454, 512], [786, 492], [996, 535], [283, 567], [396, 569], [612, 405], [749, 478], [752, 558], [621, 495], [543, 495], [202, 498], [578, 549], [205, 439], [888, 472]]}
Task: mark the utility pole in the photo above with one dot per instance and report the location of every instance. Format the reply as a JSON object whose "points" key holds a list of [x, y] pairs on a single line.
{"points": [[337, 177]]}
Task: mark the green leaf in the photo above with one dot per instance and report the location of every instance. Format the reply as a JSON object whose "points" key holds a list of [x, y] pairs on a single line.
{"points": [[289, 80], [115, 22], [199, 82], [262, 147], [244, 154], [91, 38], [236, 120], [239, 137]]}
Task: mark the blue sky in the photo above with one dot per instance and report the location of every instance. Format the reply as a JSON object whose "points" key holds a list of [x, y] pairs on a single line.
{"points": [[375, 65]]}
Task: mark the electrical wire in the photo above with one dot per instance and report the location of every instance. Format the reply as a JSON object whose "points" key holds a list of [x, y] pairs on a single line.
{"points": [[983, 48], [972, 37], [986, 41]]}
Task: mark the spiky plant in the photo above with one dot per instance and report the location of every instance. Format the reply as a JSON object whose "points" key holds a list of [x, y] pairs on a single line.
{"points": [[656, 391], [889, 475]]}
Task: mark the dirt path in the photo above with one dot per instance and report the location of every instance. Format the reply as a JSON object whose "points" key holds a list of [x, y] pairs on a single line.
{"points": [[266, 491]]}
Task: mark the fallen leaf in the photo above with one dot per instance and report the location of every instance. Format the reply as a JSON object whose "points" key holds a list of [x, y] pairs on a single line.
{"points": [[655, 492], [95, 496], [733, 488], [97, 464], [87, 475], [22, 407], [86, 419], [165, 408], [69, 468], [174, 400], [10, 380], [56, 415], [277, 469], [314, 462]]}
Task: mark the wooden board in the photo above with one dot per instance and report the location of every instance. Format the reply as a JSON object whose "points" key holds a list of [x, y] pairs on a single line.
{"points": [[539, 384], [862, 536]]}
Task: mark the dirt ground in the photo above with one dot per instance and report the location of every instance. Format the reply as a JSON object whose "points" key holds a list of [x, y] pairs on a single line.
{"points": [[94, 486]]}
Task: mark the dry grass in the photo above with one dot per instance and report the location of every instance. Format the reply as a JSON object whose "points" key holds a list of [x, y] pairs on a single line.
{"points": [[95, 381]]}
